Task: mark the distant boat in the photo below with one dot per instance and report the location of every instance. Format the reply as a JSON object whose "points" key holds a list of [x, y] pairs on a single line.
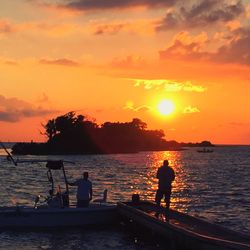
{"points": [[205, 150]]}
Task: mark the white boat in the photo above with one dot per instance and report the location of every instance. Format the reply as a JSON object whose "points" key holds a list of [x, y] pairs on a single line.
{"points": [[182, 231], [56, 210], [37, 218]]}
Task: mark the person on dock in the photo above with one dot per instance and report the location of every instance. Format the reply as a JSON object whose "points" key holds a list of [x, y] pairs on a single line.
{"points": [[84, 190], [165, 175]]}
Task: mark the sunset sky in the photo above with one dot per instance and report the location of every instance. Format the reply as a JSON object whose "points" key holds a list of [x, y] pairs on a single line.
{"points": [[115, 60]]}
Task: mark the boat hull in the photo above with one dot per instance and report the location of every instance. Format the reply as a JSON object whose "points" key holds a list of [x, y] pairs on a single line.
{"points": [[25, 218]]}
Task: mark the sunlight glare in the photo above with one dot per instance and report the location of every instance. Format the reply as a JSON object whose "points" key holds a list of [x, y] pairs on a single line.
{"points": [[166, 107]]}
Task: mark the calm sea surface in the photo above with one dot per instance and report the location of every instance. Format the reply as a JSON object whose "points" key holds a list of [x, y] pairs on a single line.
{"points": [[214, 186]]}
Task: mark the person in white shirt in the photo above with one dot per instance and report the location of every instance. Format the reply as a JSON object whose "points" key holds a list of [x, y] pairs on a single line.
{"points": [[84, 190]]}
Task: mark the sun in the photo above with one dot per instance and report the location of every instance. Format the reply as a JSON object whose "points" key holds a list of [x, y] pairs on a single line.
{"points": [[165, 107]]}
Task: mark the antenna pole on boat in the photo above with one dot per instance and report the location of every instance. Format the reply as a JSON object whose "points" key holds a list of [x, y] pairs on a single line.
{"points": [[51, 180], [8, 153], [66, 181]]}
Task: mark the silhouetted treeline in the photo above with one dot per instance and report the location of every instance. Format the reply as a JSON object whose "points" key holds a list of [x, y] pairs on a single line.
{"points": [[74, 134], [197, 144]]}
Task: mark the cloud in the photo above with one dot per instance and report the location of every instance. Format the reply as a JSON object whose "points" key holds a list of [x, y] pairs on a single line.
{"points": [[60, 61], [168, 85], [84, 5], [145, 27], [233, 25], [235, 49], [110, 29], [143, 108], [51, 29], [190, 110], [185, 46], [14, 109], [204, 13]]}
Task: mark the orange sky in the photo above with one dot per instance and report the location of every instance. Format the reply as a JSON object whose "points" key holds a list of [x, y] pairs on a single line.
{"points": [[116, 60]]}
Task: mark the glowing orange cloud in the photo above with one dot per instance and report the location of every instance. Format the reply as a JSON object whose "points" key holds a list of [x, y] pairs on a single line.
{"points": [[189, 109], [169, 85]]}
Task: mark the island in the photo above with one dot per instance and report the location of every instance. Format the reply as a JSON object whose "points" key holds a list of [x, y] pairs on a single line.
{"points": [[74, 134]]}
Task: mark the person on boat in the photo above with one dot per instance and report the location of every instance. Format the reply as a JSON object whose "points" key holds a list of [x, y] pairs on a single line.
{"points": [[84, 190], [165, 175], [54, 201]]}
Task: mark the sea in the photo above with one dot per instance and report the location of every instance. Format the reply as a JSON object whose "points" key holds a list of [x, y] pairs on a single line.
{"points": [[212, 186]]}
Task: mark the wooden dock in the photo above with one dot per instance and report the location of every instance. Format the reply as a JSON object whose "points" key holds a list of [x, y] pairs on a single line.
{"points": [[181, 230]]}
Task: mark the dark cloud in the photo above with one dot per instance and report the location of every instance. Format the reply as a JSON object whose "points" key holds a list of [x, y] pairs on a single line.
{"points": [[186, 47], [13, 110], [236, 51], [111, 29], [206, 12], [8, 117], [111, 4], [60, 61], [17, 115], [171, 20], [12, 103], [180, 50]]}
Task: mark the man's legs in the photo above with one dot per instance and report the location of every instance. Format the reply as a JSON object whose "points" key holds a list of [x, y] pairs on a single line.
{"points": [[167, 200], [158, 197], [82, 203]]}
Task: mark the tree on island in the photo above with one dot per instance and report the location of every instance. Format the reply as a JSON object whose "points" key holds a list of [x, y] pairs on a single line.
{"points": [[74, 134]]}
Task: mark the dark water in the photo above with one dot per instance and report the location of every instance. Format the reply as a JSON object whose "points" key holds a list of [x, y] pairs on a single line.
{"points": [[86, 239], [214, 186]]}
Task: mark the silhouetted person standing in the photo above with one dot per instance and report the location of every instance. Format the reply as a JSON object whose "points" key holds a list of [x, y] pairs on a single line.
{"points": [[166, 176], [84, 190]]}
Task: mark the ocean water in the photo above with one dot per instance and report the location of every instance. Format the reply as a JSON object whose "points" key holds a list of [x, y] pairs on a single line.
{"points": [[213, 186]]}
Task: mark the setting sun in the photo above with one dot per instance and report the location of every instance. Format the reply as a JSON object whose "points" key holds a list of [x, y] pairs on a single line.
{"points": [[166, 107]]}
